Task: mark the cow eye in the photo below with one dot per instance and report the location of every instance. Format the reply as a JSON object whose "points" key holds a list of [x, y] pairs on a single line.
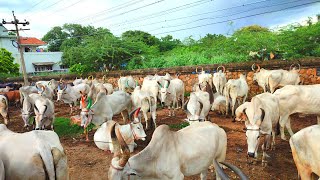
{"points": [[138, 127], [258, 137]]}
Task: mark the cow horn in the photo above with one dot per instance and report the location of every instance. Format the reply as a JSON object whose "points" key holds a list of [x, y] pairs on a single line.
{"points": [[244, 110], [127, 83], [196, 69], [294, 66], [202, 68], [90, 77], [200, 86], [36, 107], [136, 113], [61, 80], [131, 113], [219, 170], [168, 83], [29, 110], [262, 114], [254, 65], [236, 170], [223, 69], [104, 78], [124, 147], [46, 107], [137, 84], [114, 141], [159, 84]]}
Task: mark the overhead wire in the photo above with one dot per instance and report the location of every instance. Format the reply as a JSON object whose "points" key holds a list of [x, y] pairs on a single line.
{"points": [[112, 9], [165, 12], [120, 14], [223, 16], [184, 17], [208, 24], [94, 34]]}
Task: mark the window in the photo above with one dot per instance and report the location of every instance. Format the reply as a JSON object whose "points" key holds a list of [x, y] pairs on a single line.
{"points": [[38, 68], [64, 67]]}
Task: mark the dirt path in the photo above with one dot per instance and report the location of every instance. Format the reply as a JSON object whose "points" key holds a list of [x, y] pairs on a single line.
{"points": [[86, 161]]}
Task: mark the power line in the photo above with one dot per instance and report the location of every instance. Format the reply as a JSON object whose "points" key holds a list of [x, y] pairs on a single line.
{"points": [[208, 24], [46, 7], [34, 6], [112, 9], [198, 14], [66, 7], [165, 12], [120, 14], [206, 18], [95, 34]]}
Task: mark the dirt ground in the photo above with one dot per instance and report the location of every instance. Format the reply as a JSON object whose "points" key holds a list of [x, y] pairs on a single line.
{"points": [[86, 161]]}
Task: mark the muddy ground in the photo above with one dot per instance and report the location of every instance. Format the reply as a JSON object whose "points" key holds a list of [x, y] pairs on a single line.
{"points": [[86, 161]]}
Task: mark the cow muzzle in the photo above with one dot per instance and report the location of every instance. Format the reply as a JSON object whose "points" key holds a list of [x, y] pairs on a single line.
{"points": [[251, 154]]}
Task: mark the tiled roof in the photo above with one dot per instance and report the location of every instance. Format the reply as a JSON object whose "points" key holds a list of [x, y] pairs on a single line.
{"points": [[31, 41]]}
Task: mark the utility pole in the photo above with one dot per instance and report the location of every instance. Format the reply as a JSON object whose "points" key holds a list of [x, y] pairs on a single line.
{"points": [[16, 22]]}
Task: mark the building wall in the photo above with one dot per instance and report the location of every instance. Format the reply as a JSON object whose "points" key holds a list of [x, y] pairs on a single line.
{"points": [[34, 57]]}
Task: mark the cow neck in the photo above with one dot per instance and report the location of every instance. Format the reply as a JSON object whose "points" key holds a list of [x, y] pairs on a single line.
{"points": [[126, 133]]}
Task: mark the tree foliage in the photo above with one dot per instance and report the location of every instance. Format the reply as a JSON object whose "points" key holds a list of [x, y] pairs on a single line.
{"points": [[86, 48], [7, 63]]}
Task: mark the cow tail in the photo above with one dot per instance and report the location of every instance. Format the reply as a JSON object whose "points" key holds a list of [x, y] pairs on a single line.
{"points": [[47, 158]]}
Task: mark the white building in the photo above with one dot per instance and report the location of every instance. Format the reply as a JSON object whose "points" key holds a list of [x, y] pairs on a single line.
{"points": [[36, 60]]}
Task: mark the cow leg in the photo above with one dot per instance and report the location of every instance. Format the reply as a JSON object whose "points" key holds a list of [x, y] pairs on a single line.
{"points": [[265, 147], [233, 103], [288, 126], [283, 121], [71, 108], [203, 175], [146, 119], [227, 105], [154, 116], [2, 172], [273, 143], [318, 118]]}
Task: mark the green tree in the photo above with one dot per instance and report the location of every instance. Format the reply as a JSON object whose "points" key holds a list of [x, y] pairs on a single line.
{"points": [[7, 63], [136, 36], [55, 38]]}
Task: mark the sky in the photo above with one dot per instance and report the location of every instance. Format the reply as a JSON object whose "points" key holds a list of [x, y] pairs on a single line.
{"points": [[179, 18]]}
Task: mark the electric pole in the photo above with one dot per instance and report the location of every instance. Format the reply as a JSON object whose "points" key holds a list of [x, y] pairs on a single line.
{"points": [[16, 23]]}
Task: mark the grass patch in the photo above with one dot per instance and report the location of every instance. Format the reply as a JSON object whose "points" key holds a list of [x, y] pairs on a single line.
{"points": [[179, 126], [64, 128]]}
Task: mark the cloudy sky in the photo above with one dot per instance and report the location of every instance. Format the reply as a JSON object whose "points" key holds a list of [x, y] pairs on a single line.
{"points": [[180, 18]]}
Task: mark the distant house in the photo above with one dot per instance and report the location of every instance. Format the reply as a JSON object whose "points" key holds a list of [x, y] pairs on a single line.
{"points": [[31, 44], [35, 57]]}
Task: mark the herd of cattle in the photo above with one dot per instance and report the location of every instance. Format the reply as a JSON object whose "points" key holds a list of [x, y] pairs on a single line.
{"points": [[169, 154]]}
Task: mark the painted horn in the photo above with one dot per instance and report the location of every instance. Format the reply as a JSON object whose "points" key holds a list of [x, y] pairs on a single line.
{"points": [[168, 83], [45, 109], [159, 84], [236, 170], [223, 69], [131, 113]]}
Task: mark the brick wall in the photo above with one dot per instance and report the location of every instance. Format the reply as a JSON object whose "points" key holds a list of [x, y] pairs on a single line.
{"points": [[189, 76]]}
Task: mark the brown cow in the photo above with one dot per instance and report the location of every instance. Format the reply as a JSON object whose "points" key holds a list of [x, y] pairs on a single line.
{"points": [[13, 97]]}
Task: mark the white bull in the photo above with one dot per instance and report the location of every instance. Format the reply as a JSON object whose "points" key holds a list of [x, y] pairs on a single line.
{"points": [[272, 79], [4, 108], [32, 155], [53, 84], [306, 151], [219, 79], [170, 93], [234, 90], [44, 113], [105, 107], [262, 115], [172, 155], [129, 132], [126, 84], [70, 94], [27, 90], [204, 77], [297, 99], [199, 105], [151, 86], [146, 101]]}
